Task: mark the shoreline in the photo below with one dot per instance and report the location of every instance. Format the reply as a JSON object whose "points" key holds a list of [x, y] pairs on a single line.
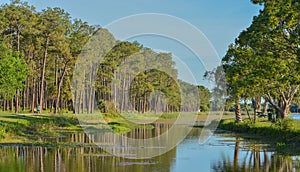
{"points": [[284, 136]]}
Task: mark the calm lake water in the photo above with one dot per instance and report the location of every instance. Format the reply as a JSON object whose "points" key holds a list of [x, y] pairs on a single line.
{"points": [[223, 152]]}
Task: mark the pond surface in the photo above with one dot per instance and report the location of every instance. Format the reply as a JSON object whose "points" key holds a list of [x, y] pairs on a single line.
{"points": [[223, 152]]}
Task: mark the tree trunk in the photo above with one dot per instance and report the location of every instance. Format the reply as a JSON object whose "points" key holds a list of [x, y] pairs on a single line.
{"points": [[12, 105], [4, 104], [17, 101], [282, 108], [60, 81], [285, 101], [238, 115], [43, 73], [75, 98], [265, 107], [24, 98], [279, 111], [246, 107], [286, 111], [144, 102], [123, 95]]}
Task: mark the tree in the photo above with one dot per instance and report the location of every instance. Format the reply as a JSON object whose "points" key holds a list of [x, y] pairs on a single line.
{"points": [[205, 96], [53, 24], [263, 61], [13, 72], [17, 19]]}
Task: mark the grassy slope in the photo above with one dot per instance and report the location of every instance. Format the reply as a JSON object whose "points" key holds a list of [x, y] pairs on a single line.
{"points": [[28, 128]]}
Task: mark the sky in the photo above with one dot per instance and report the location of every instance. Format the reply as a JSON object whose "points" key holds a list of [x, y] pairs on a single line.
{"points": [[220, 21]]}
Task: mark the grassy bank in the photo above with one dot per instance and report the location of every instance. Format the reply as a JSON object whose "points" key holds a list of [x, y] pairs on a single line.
{"points": [[282, 134], [29, 128]]}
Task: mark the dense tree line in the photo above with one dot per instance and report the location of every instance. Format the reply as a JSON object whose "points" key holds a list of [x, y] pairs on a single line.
{"points": [[263, 62], [40, 49], [48, 43]]}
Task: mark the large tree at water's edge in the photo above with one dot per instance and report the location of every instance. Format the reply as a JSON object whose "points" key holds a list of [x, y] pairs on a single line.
{"points": [[264, 60]]}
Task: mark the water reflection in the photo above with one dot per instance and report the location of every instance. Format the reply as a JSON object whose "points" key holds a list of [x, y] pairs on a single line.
{"points": [[248, 156], [223, 152], [24, 158]]}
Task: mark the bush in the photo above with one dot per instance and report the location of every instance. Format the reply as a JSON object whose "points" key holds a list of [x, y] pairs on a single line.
{"points": [[284, 124]]}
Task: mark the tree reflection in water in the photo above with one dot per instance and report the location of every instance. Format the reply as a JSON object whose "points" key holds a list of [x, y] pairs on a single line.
{"points": [[83, 156], [255, 158], [15, 159]]}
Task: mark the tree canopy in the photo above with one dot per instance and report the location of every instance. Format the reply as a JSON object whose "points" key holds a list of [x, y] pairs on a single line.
{"points": [[40, 50], [264, 60]]}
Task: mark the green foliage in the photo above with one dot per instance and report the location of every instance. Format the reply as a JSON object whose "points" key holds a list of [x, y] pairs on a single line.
{"points": [[264, 60], [280, 145], [204, 96], [284, 131], [13, 72], [101, 105], [125, 67], [285, 124], [47, 43], [120, 129], [39, 52]]}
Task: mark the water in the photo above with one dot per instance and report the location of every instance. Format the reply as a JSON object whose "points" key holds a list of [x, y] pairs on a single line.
{"points": [[295, 116], [223, 152]]}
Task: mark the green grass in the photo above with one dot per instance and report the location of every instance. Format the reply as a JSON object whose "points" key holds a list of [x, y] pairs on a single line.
{"points": [[20, 128], [29, 127], [283, 134]]}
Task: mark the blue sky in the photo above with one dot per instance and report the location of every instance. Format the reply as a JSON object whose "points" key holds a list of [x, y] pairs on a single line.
{"points": [[220, 20]]}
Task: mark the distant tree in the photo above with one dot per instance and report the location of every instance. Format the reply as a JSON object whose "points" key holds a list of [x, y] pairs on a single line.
{"points": [[205, 97]]}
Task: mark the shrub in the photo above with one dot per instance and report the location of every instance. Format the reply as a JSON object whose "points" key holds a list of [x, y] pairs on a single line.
{"points": [[284, 124]]}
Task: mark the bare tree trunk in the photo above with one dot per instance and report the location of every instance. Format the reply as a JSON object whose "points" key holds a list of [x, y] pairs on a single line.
{"points": [[17, 101], [156, 103], [60, 82], [24, 99], [144, 102], [75, 111], [123, 94], [33, 95], [265, 107], [12, 105], [43, 73]]}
